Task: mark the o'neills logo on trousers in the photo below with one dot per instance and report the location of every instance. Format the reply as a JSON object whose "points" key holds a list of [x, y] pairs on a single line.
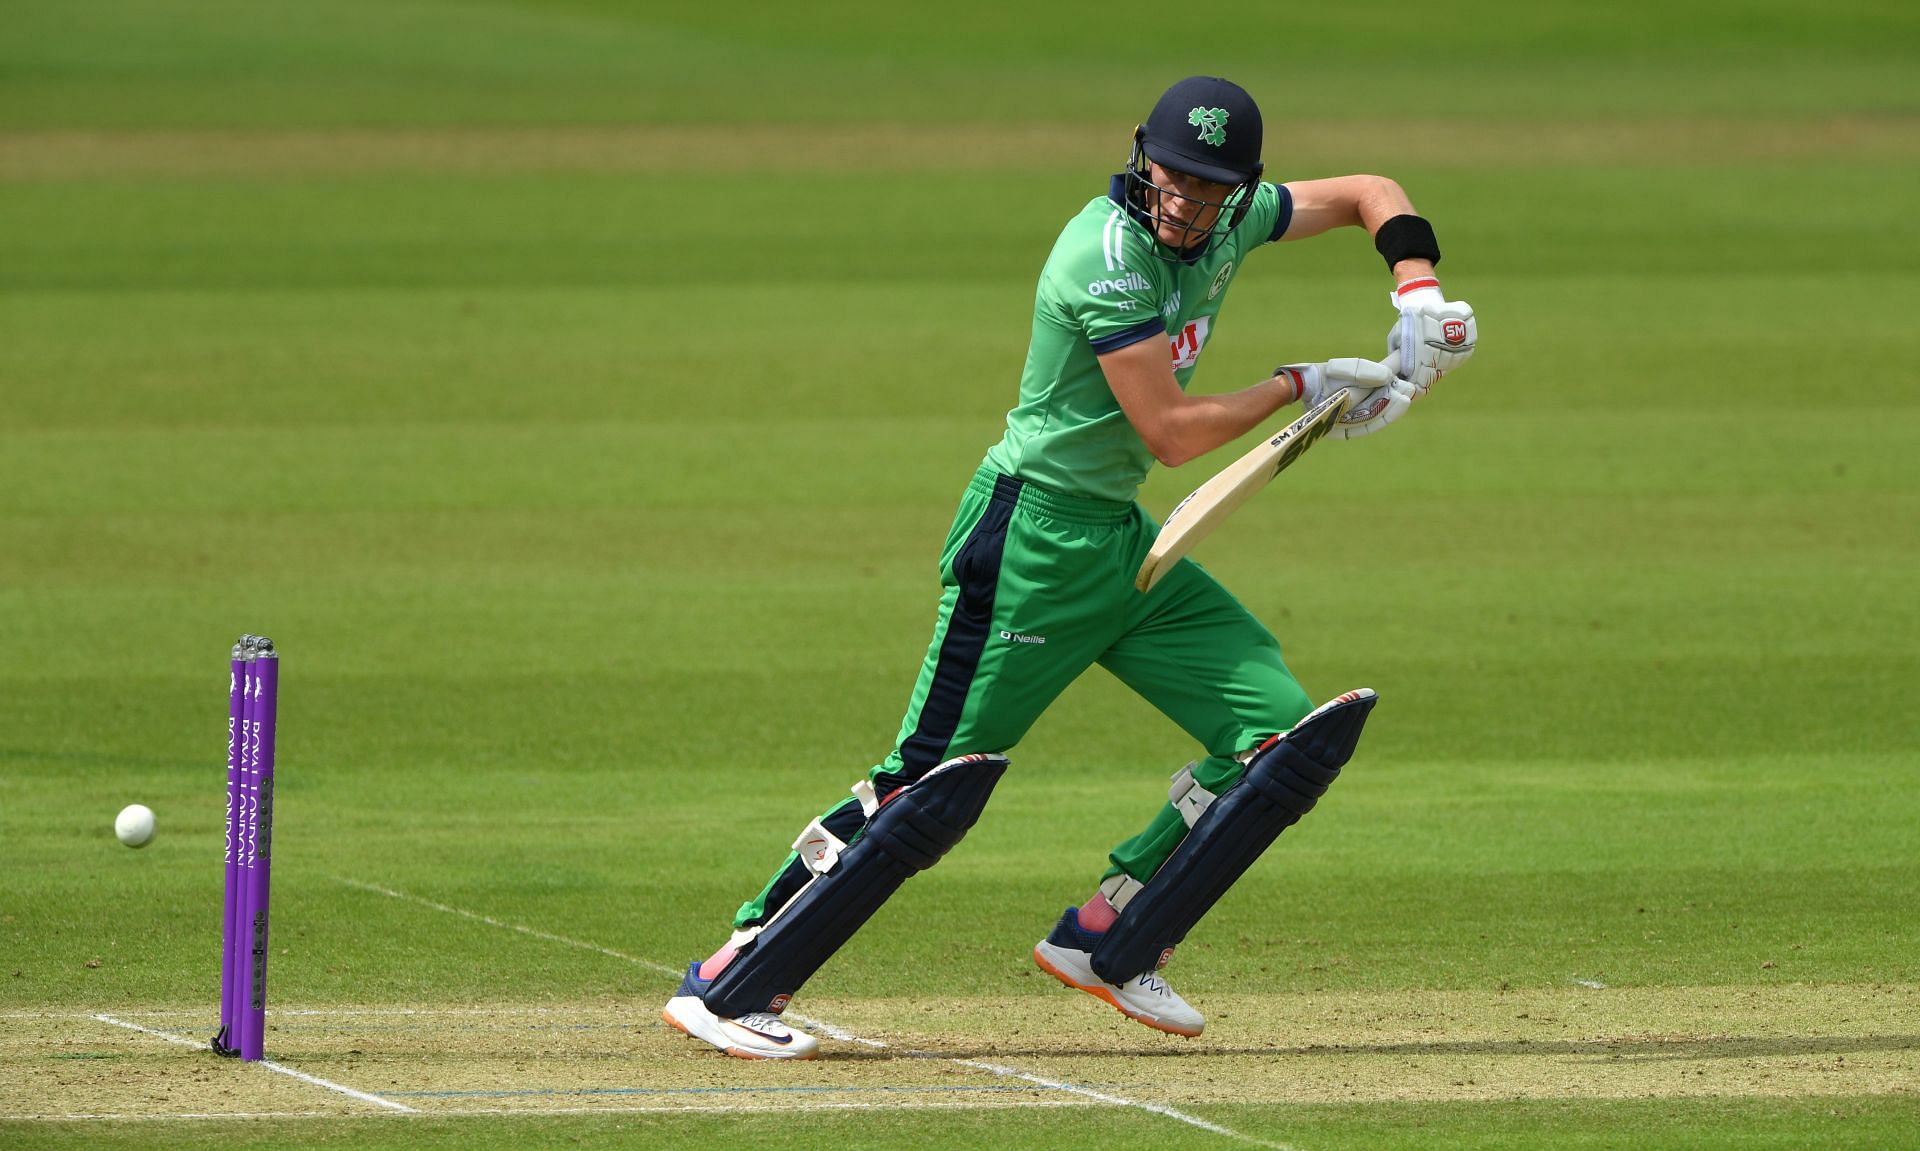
{"points": [[1133, 282]]}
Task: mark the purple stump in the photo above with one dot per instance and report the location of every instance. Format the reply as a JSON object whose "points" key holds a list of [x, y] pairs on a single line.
{"points": [[226, 1041], [259, 869], [242, 863]]}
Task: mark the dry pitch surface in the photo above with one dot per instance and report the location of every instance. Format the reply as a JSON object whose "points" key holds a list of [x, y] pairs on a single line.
{"points": [[1576, 1042], [1058, 1049]]}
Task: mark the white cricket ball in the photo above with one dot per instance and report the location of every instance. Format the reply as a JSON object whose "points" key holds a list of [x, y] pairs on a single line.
{"points": [[134, 825]]}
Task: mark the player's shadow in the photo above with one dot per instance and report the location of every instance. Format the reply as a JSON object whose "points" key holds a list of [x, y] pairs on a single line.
{"points": [[1638, 1049]]}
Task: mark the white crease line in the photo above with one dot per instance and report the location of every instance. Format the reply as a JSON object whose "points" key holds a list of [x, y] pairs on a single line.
{"points": [[638, 1109], [833, 1031], [270, 1065], [1116, 1100], [841, 1033], [492, 922], [829, 1029], [363, 1096], [1593, 983]]}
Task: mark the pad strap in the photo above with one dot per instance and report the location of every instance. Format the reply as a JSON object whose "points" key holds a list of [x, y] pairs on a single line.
{"points": [[1120, 889], [1188, 797], [818, 848]]}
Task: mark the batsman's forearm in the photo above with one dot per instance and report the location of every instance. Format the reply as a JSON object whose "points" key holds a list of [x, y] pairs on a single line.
{"points": [[1204, 423], [1407, 270], [1381, 201]]}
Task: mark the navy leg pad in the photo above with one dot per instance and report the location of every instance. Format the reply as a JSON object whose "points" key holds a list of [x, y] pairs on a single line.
{"points": [[912, 829], [1285, 778]]}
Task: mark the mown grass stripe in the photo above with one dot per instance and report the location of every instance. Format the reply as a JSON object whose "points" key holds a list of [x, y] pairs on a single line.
{"points": [[533, 1092]]}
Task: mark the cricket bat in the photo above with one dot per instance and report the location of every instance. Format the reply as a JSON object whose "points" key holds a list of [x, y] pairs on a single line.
{"points": [[1194, 518]]}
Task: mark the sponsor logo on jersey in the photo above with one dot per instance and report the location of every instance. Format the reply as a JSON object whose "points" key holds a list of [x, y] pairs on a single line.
{"points": [[1131, 282], [1220, 279], [1019, 637], [1187, 342]]}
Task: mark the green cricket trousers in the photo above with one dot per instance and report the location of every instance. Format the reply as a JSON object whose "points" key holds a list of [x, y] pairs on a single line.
{"points": [[1038, 586]]}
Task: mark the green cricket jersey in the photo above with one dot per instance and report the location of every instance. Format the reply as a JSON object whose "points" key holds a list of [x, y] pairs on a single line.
{"points": [[1102, 289]]}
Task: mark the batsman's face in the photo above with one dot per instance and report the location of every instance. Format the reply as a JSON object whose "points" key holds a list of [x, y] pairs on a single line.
{"points": [[1186, 206]]}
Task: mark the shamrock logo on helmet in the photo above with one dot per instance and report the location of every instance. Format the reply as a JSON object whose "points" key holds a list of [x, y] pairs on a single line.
{"points": [[1212, 123]]}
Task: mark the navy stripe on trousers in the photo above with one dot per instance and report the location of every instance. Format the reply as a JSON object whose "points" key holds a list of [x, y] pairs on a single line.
{"points": [[976, 568]]}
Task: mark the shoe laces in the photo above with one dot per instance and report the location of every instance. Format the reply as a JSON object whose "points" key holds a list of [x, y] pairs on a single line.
{"points": [[762, 1021], [1155, 984]]}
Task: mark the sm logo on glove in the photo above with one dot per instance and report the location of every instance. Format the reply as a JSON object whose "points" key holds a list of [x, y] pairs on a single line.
{"points": [[1187, 342], [1454, 332]]}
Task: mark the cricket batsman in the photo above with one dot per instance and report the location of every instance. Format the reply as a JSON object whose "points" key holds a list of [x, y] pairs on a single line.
{"points": [[1038, 583]]}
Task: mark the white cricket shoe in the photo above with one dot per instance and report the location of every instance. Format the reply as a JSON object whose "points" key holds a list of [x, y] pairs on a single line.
{"points": [[758, 1036], [1067, 955]]}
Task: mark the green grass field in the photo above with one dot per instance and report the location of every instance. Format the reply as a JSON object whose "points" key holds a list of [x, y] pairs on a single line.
{"points": [[580, 394]]}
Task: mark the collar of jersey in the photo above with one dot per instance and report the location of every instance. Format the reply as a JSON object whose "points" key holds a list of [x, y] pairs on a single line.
{"points": [[1117, 192]]}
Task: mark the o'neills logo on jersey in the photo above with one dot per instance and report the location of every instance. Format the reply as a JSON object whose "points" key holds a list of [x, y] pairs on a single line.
{"points": [[1132, 282]]}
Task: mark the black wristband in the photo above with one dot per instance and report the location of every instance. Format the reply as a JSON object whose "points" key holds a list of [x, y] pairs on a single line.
{"points": [[1406, 238]]}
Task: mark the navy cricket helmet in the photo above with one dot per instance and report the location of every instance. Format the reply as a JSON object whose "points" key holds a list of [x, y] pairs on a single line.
{"points": [[1206, 127]]}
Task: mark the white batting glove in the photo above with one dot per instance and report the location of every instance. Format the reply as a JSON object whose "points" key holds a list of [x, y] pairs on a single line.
{"points": [[1433, 335], [1379, 397]]}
